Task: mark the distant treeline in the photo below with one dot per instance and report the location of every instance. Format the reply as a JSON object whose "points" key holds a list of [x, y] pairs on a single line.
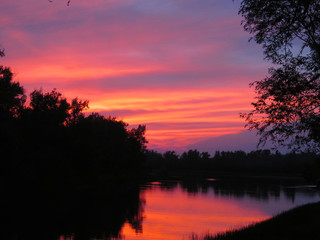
{"points": [[260, 161], [51, 142]]}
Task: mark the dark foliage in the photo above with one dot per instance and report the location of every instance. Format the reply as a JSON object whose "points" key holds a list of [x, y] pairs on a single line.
{"points": [[287, 107], [286, 29], [53, 133], [61, 170], [236, 162], [299, 223], [12, 96]]}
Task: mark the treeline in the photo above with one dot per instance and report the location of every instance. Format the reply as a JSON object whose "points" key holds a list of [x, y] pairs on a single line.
{"points": [[63, 172], [50, 141], [260, 161]]}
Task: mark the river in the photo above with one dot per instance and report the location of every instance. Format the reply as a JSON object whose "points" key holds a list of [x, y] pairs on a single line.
{"points": [[175, 210], [167, 210]]}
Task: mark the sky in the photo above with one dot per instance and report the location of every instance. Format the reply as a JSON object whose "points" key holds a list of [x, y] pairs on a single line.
{"points": [[180, 67]]}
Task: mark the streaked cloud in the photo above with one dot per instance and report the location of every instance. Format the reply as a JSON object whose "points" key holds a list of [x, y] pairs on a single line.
{"points": [[180, 67]]}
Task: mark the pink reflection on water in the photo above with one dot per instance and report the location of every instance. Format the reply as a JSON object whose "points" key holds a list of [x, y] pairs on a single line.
{"points": [[66, 237], [175, 214]]}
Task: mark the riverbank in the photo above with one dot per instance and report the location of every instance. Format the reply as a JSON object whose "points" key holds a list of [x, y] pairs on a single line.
{"points": [[296, 224]]}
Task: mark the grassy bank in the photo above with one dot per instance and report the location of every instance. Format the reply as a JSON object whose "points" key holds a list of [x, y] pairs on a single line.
{"points": [[299, 223]]}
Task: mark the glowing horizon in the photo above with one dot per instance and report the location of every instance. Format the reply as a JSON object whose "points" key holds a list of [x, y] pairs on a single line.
{"points": [[181, 69]]}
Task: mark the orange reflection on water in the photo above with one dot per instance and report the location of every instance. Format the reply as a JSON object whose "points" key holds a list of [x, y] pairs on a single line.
{"points": [[176, 215], [66, 237]]}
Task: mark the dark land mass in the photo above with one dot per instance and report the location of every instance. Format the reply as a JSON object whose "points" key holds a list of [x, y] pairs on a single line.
{"points": [[233, 164], [299, 223], [66, 173], [63, 172]]}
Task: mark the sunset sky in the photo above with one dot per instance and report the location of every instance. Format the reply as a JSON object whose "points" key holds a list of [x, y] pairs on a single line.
{"points": [[181, 67]]}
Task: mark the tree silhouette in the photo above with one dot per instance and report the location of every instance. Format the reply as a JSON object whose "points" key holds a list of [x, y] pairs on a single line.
{"points": [[171, 156], [287, 107], [12, 100], [52, 143], [12, 96], [105, 147], [52, 108], [76, 111], [239, 162]]}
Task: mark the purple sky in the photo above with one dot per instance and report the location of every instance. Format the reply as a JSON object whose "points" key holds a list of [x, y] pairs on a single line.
{"points": [[182, 67]]}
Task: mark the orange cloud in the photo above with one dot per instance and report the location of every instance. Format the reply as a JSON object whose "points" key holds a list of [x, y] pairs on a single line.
{"points": [[183, 107], [68, 72], [173, 66]]}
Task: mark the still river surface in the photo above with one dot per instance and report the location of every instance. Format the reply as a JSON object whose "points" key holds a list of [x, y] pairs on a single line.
{"points": [[175, 210]]}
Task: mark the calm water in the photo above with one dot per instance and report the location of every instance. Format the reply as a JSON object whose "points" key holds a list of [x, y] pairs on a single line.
{"points": [[159, 210], [175, 210]]}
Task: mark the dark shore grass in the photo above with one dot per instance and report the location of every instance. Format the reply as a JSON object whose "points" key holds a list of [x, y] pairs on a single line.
{"points": [[301, 223]]}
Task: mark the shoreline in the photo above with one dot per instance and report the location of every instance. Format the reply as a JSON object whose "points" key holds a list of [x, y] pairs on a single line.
{"points": [[302, 222]]}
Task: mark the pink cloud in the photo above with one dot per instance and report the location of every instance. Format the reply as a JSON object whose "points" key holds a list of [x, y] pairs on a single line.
{"points": [[150, 62]]}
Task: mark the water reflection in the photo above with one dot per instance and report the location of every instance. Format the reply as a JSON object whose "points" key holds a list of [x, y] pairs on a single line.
{"points": [[176, 209], [87, 213], [160, 210], [255, 188]]}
